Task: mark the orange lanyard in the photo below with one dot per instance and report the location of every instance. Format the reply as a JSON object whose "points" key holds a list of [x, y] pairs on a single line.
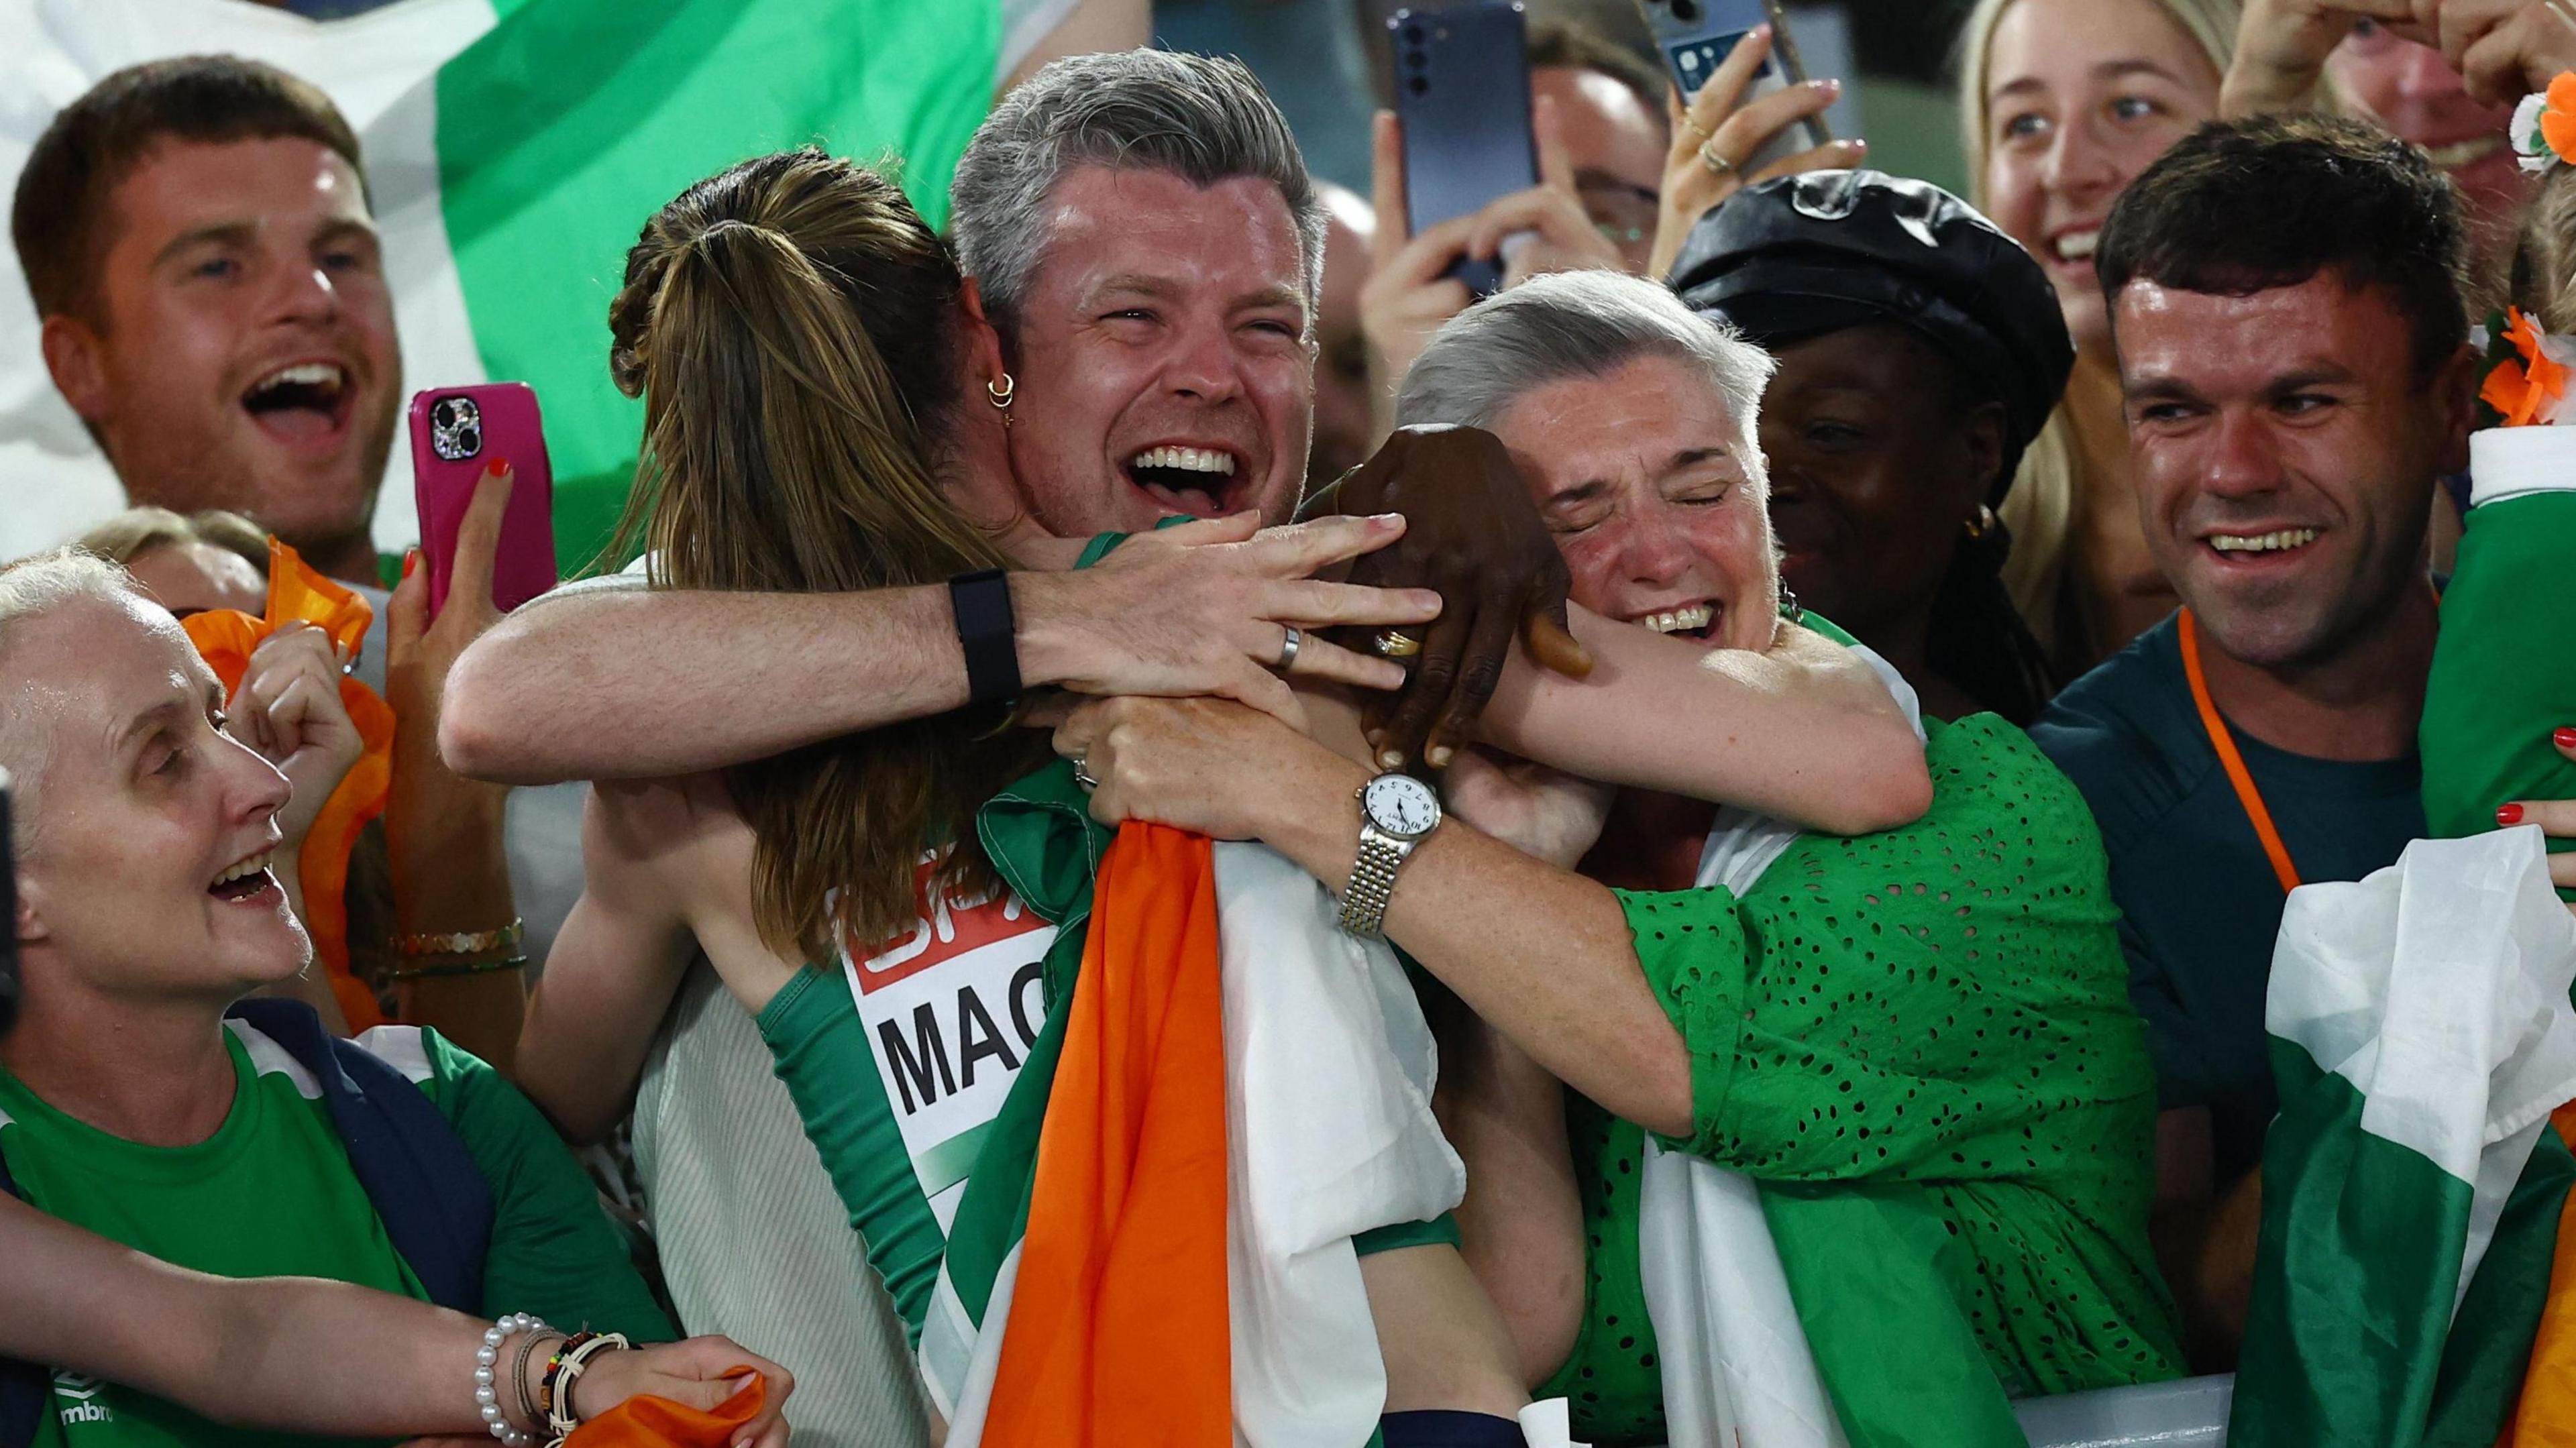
{"points": [[2234, 763]]}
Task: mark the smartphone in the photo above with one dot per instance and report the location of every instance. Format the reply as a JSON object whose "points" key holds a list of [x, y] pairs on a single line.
{"points": [[1462, 94], [8, 913], [1695, 36], [456, 432]]}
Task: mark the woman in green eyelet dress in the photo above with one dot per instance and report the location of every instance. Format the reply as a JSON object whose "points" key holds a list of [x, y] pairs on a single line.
{"points": [[1916, 1043]]}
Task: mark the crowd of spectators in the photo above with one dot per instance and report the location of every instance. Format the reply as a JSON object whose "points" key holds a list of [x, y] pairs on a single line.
{"points": [[1826, 685]]}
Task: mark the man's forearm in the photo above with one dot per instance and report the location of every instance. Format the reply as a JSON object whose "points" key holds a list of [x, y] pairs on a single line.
{"points": [[646, 684]]}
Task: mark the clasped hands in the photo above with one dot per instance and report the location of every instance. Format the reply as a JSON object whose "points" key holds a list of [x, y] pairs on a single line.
{"points": [[1470, 539], [2503, 49]]}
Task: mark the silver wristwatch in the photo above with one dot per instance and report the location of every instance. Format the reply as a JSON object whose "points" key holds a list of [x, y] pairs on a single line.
{"points": [[1396, 812]]}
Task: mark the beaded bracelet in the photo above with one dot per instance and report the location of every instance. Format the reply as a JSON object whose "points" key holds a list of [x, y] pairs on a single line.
{"points": [[487, 1395], [554, 1367], [567, 1369]]}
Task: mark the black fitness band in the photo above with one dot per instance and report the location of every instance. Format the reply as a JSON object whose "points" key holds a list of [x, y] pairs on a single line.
{"points": [[982, 602]]}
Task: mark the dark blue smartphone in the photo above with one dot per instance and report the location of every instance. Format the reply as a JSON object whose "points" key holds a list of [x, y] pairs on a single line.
{"points": [[1462, 94]]}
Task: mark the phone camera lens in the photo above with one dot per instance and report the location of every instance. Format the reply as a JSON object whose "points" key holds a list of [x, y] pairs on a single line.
{"points": [[1416, 59], [1418, 86], [1686, 11], [1413, 35]]}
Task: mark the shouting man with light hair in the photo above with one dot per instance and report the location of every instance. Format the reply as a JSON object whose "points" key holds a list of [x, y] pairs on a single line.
{"points": [[1143, 246]]}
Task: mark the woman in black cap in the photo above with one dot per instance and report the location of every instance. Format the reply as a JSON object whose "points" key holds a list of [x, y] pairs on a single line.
{"points": [[1920, 351]]}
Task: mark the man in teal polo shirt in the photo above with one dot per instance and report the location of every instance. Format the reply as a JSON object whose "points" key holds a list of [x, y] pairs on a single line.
{"points": [[2285, 294]]}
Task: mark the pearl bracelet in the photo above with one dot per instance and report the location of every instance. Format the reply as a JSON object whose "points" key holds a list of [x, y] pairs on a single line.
{"points": [[487, 1393]]}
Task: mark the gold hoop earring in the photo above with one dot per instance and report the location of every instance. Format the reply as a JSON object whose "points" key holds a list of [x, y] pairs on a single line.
{"points": [[1002, 392], [1982, 524]]}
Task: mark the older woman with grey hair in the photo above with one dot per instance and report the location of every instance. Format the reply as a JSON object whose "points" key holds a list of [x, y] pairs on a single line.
{"points": [[1914, 1048]]}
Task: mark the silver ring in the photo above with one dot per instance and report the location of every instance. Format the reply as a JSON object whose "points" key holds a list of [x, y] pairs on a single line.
{"points": [[1717, 164], [1082, 774], [1288, 647]]}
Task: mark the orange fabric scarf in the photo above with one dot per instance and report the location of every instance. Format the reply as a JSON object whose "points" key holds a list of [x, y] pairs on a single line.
{"points": [[226, 637], [1117, 1335]]}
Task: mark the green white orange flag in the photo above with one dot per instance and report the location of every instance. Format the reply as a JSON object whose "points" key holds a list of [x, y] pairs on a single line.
{"points": [[1155, 1244], [1118, 1327], [2413, 1189], [514, 148]]}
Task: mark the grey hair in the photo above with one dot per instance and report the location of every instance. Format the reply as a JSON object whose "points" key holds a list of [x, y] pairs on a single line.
{"points": [[1575, 324], [1201, 119], [30, 589]]}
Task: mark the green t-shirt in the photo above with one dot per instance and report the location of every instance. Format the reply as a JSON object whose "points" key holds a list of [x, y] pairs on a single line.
{"points": [[271, 1193], [2502, 679]]}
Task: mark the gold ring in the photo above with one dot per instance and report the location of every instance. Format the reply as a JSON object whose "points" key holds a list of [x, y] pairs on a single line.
{"points": [[1717, 165], [1397, 644]]}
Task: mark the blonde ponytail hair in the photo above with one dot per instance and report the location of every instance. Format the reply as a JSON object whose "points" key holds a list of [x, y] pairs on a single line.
{"points": [[791, 326]]}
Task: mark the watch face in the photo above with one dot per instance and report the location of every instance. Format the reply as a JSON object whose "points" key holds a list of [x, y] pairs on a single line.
{"points": [[1401, 805]]}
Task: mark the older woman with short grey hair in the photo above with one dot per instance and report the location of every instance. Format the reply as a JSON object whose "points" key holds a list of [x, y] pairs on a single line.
{"points": [[1914, 1048]]}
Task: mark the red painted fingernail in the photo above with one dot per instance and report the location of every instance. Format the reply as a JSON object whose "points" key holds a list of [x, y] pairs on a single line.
{"points": [[2565, 735], [411, 560], [497, 466], [2509, 815]]}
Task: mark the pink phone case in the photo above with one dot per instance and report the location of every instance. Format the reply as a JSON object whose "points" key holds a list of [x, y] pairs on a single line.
{"points": [[456, 432]]}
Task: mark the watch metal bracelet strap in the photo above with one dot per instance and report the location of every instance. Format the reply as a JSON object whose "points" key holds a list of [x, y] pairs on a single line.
{"points": [[463, 942], [460, 967], [1372, 883], [989, 635]]}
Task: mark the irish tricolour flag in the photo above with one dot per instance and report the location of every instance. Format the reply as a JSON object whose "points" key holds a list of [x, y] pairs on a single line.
{"points": [[1155, 1243], [514, 149], [2412, 1250]]}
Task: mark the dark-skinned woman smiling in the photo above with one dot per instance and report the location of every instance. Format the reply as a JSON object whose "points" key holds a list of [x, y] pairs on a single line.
{"points": [[1920, 351]]}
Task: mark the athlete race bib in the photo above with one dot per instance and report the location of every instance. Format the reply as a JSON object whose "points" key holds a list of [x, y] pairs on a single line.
{"points": [[951, 1011]]}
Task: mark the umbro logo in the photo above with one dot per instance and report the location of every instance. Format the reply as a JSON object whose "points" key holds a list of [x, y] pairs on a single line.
{"points": [[77, 1395]]}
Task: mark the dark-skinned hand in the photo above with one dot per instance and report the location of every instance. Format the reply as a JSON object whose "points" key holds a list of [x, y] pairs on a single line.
{"points": [[1473, 536]]}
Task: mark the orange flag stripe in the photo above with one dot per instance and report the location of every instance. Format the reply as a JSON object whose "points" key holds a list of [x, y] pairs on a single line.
{"points": [[1117, 1334], [2546, 1416]]}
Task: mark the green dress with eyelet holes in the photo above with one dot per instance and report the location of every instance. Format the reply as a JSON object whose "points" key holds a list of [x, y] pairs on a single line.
{"points": [[1935, 1018]]}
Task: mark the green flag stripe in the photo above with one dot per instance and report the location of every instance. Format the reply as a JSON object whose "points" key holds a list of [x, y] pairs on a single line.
{"points": [[2358, 1269], [2490, 1341], [566, 127], [1896, 1353]]}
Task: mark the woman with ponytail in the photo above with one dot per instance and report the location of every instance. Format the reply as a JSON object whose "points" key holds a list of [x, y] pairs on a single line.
{"points": [[1921, 350], [804, 348]]}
